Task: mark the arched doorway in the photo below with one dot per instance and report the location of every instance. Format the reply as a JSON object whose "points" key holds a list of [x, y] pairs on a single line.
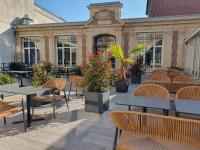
{"points": [[102, 41]]}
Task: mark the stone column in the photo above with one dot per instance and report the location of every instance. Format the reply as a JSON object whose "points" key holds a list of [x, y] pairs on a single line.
{"points": [[18, 49], [46, 48], [84, 49], [126, 44], [174, 48]]}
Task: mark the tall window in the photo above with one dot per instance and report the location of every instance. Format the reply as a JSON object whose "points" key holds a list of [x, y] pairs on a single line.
{"points": [[66, 50], [31, 50], [152, 55], [102, 42]]}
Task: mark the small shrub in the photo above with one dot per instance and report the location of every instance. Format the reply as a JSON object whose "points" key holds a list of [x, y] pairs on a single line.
{"points": [[41, 74], [97, 73], [5, 79]]}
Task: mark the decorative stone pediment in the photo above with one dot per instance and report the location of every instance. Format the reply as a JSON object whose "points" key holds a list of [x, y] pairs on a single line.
{"points": [[104, 17]]}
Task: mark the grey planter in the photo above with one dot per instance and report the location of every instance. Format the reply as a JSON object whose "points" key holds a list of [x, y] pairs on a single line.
{"points": [[96, 102]]}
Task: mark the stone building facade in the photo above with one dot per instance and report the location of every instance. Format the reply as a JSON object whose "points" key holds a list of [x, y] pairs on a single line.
{"points": [[10, 14], [67, 44]]}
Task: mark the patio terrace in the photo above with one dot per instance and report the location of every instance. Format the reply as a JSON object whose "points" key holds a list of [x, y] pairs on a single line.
{"points": [[74, 129]]}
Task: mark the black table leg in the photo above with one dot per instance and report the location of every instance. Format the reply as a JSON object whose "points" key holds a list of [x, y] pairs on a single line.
{"points": [[28, 106], [144, 109], [177, 114], [166, 112]]}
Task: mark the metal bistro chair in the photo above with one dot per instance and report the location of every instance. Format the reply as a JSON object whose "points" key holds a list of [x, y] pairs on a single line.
{"points": [[76, 85], [57, 86], [8, 109], [152, 90]]}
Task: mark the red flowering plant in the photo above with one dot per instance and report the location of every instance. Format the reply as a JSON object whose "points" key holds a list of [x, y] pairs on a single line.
{"points": [[97, 73]]}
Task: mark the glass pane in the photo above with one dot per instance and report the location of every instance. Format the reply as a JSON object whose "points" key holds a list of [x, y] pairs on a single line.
{"points": [[149, 57], [60, 61], [67, 56], [159, 43], [32, 56], [59, 44], [73, 58], [158, 55], [26, 57], [32, 44], [25, 44], [38, 55], [67, 44]]}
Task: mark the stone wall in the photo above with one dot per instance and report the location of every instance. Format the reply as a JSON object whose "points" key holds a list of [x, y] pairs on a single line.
{"points": [[10, 13]]}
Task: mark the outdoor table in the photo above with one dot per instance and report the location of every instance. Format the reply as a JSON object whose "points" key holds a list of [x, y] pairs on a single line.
{"points": [[187, 107], [19, 73], [144, 102], [29, 92]]}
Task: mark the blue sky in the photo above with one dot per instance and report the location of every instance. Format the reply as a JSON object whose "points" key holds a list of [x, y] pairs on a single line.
{"points": [[76, 10]]}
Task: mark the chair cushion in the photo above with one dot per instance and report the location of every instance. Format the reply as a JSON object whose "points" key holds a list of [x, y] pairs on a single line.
{"points": [[48, 98], [8, 110], [130, 142]]}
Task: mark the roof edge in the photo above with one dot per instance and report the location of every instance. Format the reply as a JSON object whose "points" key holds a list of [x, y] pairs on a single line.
{"points": [[51, 13]]}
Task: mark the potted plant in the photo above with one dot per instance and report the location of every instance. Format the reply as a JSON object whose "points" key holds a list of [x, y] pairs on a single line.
{"points": [[97, 74], [136, 68], [136, 72], [122, 83]]}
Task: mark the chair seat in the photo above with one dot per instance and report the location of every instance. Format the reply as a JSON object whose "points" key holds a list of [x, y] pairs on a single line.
{"points": [[131, 142], [48, 98], [8, 110]]}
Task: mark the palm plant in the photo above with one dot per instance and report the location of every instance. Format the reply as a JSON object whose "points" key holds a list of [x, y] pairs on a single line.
{"points": [[118, 53]]}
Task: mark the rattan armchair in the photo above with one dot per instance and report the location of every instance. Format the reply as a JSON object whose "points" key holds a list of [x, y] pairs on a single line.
{"points": [[76, 85], [190, 92], [160, 78], [8, 109], [185, 131], [184, 78], [151, 90], [57, 85]]}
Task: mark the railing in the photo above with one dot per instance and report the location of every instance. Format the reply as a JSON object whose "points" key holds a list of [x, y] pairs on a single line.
{"points": [[194, 73]]}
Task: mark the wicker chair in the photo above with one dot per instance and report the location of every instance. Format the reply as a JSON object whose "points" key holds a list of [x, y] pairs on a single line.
{"points": [[76, 85], [8, 109], [183, 79], [152, 90], [160, 78], [57, 85], [184, 131], [190, 92]]}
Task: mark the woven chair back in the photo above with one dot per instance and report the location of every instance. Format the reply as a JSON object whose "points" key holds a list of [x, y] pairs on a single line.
{"points": [[174, 129], [183, 79], [190, 92], [152, 90], [160, 78]]}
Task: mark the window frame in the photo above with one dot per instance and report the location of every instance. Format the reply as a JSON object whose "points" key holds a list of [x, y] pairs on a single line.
{"points": [[71, 47], [29, 48]]}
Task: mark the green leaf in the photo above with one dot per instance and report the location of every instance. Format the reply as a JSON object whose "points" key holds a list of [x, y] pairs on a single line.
{"points": [[140, 48]]}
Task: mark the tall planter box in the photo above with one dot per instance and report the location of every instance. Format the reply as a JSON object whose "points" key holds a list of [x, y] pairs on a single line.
{"points": [[96, 102], [136, 79]]}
